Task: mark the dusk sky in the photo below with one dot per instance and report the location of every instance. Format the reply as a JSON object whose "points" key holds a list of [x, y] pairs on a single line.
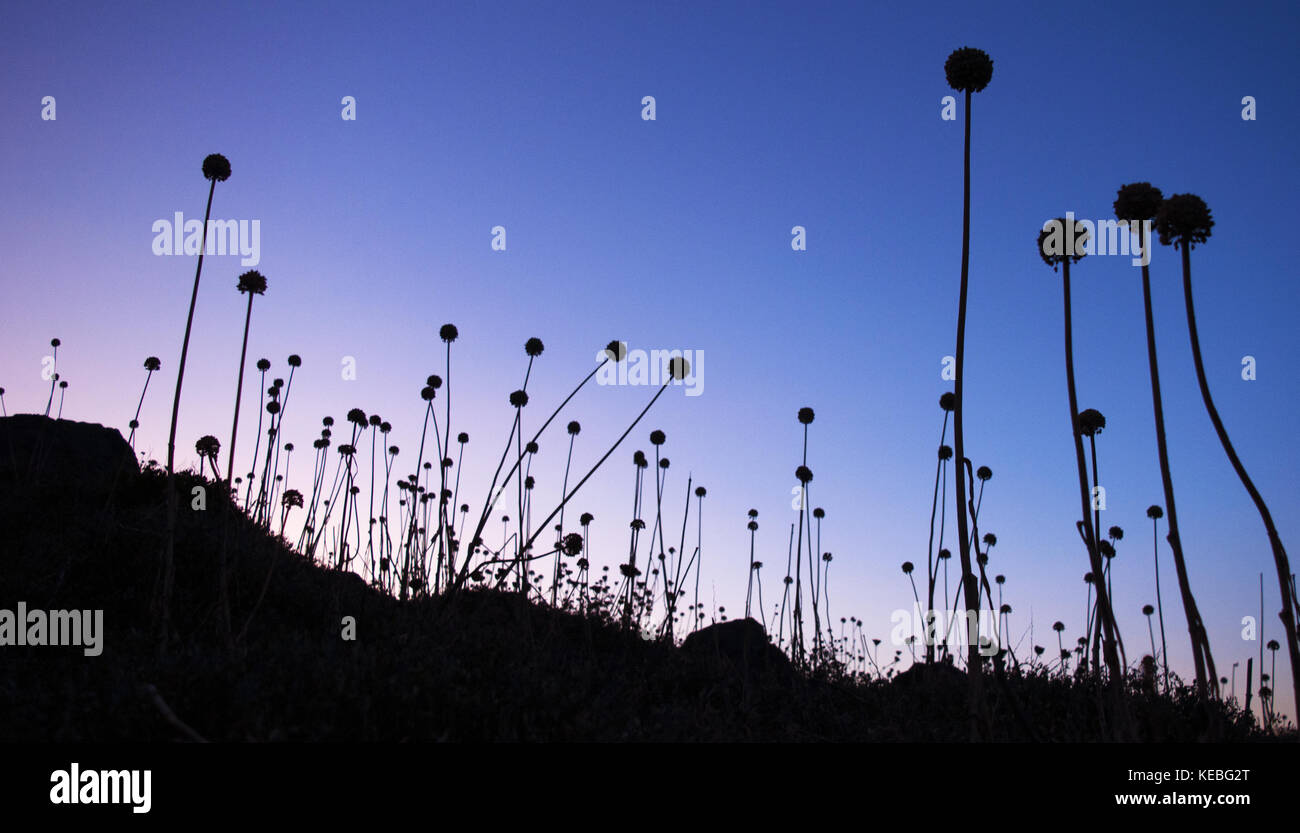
{"points": [[675, 233]]}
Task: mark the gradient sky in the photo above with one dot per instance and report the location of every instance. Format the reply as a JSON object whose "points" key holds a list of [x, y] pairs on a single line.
{"points": [[675, 233]]}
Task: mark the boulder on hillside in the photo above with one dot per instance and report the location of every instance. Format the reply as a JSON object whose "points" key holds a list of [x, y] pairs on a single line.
{"points": [[742, 641], [35, 448]]}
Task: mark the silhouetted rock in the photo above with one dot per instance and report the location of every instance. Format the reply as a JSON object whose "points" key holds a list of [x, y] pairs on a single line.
{"points": [[933, 676], [743, 641], [79, 454]]}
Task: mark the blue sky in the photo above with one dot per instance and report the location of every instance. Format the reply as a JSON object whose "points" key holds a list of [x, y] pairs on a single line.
{"points": [[675, 233]]}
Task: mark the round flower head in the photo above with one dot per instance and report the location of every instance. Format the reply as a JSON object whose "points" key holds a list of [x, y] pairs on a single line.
{"points": [[804, 475], [1116, 532], [945, 452], [288, 447], [356, 416], [518, 399], [54, 342], [572, 544], [263, 365], [327, 421], [273, 407], [990, 540], [1137, 201], [574, 428], [1000, 579], [216, 167], [290, 498], [207, 445], [1058, 626], [945, 554], [639, 460], [586, 518], [533, 347], [752, 526], [948, 401], [616, 350], [375, 421], [133, 424], [984, 473], [678, 368], [1147, 610], [806, 416], [1105, 548], [907, 567], [392, 449], [1091, 422], [427, 392], [968, 69], [295, 360], [448, 333], [434, 381], [819, 513], [152, 363], [532, 447], [700, 491], [277, 384], [529, 482], [462, 438], [663, 463], [657, 437], [1272, 645], [1056, 244], [1183, 219], [252, 281], [1154, 512], [981, 560], [753, 513]]}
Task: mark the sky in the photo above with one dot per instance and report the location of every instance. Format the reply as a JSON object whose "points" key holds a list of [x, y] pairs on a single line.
{"points": [[676, 233]]}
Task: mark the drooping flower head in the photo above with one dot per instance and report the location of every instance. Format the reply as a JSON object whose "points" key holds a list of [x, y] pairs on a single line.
{"points": [[253, 282], [1091, 422], [968, 69], [1183, 220], [216, 167], [1137, 201], [1057, 242]]}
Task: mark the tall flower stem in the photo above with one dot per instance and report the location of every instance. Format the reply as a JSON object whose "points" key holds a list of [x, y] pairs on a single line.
{"points": [[1279, 552]]}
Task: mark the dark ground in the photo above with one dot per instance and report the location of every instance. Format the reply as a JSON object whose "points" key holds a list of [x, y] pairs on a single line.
{"points": [[81, 527]]}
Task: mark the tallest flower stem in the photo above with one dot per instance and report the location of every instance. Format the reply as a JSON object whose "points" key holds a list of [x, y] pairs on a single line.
{"points": [[216, 169]]}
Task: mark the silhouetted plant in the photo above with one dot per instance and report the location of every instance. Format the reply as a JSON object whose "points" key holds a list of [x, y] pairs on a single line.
{"points": [[1135, 204], [1184, 221], [216, 168], [151, 364], [1060, 244], [968, 70]]}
